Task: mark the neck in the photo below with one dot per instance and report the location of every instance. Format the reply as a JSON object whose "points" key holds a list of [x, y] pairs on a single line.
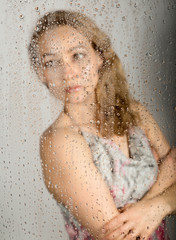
{"points": [[83, 113]]}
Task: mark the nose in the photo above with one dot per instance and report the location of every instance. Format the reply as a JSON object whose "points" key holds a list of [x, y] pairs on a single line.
{"points": [[68, 71]]}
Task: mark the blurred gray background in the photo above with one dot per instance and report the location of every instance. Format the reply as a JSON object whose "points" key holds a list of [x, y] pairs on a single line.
{"points": [[143, 34]]}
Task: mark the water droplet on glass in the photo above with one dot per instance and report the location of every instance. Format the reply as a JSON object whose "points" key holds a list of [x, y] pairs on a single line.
{"points": [[150, 17], [149, 54], [123, 18], [21, 16], [37, 29]]}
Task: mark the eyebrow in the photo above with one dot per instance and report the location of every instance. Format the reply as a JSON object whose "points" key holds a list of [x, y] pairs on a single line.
{"points": [[78, 46], [47, 54], [70, 50]]}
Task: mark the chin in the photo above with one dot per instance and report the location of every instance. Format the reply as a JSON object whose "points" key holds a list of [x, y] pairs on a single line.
{"points": [[76, 99]]}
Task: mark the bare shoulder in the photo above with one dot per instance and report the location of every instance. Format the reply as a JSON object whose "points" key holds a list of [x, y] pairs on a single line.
{"points": [[136, 106], [144, 116], [152, 130], [61, 151], [60, 140], [58, 131], [146, 121]]}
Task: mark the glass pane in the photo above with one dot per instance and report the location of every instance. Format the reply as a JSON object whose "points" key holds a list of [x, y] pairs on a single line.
{"points": [[142, 34]]}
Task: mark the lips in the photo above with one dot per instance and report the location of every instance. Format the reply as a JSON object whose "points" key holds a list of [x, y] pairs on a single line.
{"points": [[73, 89]]}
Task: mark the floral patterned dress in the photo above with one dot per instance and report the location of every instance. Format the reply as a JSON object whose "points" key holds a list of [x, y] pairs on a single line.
{"points": [[128, 179]]}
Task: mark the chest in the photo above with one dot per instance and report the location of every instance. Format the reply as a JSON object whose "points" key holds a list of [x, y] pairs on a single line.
{"points": [[122, 143]]}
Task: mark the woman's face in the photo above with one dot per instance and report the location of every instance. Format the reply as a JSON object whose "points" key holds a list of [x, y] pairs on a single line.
{"points": [[69, 64]]}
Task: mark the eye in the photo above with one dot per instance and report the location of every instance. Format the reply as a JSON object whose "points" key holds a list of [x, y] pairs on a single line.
{"points": [[79, 56], [48, 64], [52, 63]]}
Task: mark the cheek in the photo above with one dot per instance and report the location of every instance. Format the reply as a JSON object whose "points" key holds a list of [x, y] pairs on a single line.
{"points": [[55, 83], [88, 73], [50, 74], [57, 91], [53, 76]]}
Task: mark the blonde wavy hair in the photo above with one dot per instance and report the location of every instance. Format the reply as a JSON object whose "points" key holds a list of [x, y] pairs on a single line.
{"points": [[113, 115]]}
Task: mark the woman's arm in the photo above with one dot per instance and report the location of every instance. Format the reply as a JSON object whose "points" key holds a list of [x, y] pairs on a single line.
{"points": [[164, 155], [73, 179], [160, 199], [166, 176], [141, 218], [148, 124], [169, 198]]}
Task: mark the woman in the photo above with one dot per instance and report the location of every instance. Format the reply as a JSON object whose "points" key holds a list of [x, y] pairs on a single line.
{"points": [[103, 150]]}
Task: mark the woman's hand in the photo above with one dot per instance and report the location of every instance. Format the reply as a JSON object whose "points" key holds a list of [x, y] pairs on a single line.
{"points": [[140, 219]]}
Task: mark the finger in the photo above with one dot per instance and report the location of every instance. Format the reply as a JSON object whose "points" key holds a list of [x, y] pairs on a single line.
{"points": [[119, 233], [115, 222], [133, 235], [145, 237], [114, 236]]}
